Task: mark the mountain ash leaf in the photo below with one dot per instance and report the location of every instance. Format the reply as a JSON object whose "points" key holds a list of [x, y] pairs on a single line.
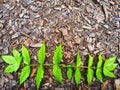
{"points": [[39, 76], [99, 64], [57, 55], [110, 61], [69, 73], [17, 56], [78, 60], [57, 73], [77, 76], [9, 69], [89, 75], [9, 59], [41, 54], [25, 55], [106, 72], [99, 75], [24, 74], [90, 61]]}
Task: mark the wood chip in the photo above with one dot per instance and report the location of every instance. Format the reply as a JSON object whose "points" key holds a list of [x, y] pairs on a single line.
{"points": [[117, 84], [78, 40], [105, 84], [2, 1], [35, 44], [27, 42], [68, 55], [105, 11], [88, 27], [41, 23], [70, 44], [50, 80], [33, 72], [64, 31]]}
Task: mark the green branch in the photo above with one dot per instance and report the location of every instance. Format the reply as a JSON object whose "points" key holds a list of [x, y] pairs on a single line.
{"points": [[14, 61]]}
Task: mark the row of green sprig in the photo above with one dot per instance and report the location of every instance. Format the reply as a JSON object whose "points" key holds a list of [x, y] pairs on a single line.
{"points": [[15, 60]]}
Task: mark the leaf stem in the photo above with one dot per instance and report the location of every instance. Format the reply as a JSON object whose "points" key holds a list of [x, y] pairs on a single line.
{"points": [[62, 65]]}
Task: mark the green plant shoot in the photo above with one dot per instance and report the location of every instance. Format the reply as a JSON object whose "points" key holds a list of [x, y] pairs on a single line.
{"points": [[40, 72], [99, 68], [109, 66], [77, 71], [90, 70], [25, 55], [24, 74], [57, 55]]}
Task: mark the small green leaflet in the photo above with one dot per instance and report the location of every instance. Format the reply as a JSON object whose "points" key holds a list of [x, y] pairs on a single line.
{"points": [[110, 60], [41, 59], [90, 61], [78, 60], [77, 76], [99, 64], [24, 74], [57, 55], [25, 55], [77, 71], [17, 56], [69, 73], [41, 54], [90, 71], [112, 67], [18, 59], [109, 66], [9, 69], [39, 76], [99, 71], [57, 73], [109, 63], [14, 63], [9, 59], [99, 75], [89, 75], [108, 73]]}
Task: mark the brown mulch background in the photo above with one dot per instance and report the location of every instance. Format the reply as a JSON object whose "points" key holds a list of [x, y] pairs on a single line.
{"points": [[88, 26]]}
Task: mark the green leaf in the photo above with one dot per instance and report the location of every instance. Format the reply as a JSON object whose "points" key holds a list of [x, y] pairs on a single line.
{"points": [[26, 55], [90, 71], [77, 76], [57, 55], [99, 64], [99, 70], [90, 62], [69, 73], [57, 73], [24, 74], [78, 61], [99, 75], [41, 54], [106, 72], [110, 61], [18, 59], [9, 59], [109, 64], [17, 56], [111, 67], [9, 69], [89, 75], [39, 76], [16, 66], [77, 71]]}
